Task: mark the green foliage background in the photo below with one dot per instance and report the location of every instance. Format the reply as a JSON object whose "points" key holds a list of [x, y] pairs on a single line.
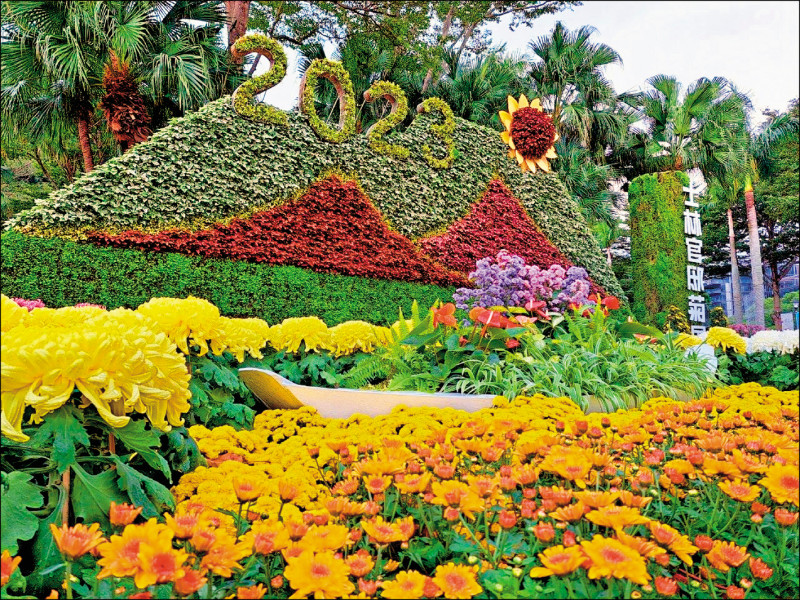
{"points": [[658, 248], [62, 273], [213, 164]]}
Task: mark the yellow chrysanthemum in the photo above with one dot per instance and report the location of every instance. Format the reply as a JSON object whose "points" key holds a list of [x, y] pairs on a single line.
{"points": [[725, 338], [529, 133], [69, 316], [352, 336], [11, 314], [321, 574], [186, 321], [611, 558], [783, 483], [238, 336], [684, 340], [298, 330]]}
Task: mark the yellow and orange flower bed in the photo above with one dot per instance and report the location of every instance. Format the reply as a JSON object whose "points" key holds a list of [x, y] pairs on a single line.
{"points": [[530, 498]]}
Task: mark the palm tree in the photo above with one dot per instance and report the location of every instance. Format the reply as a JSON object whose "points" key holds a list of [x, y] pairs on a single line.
{"points": [[586, 180], [570, 80], [606, 235]]}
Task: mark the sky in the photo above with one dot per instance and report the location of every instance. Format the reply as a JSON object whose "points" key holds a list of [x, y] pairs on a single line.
{"points": [[754, 44]]}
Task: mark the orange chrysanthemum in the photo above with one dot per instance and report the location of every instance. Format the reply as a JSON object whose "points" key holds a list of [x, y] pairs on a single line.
{"points": [[360, 563], [724, 555], [611, 558], [634, 501], [246, 490], [569, 513], [617, 517], [224, 557], [321, 574], [672, 538], [7, 566], [191, 582], [783, 483], [123, 514], [119, 557], [73, 542], [571, 463], [328, 537], [159, 564], [558, 560], [407, 584], [253, 592], [457, 581], [597, 499], [376, 484], [739, 490], [456, 494]]}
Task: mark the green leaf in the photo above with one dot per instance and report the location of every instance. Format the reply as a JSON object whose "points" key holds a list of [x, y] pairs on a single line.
{"points": [[65, 428], [17, 496], [147, 442], [92, 495], [144, 491], [47, 575]]}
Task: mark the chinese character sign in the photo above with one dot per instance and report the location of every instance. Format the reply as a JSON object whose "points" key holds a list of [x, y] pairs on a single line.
{"points": [[694, 257]]}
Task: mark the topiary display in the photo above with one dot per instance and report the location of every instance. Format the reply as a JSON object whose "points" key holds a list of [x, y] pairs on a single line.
{"points": [[399, 109], [658, 251], [530, 133], [244, 95], [718, 317], [443, 131], [340, 78]]}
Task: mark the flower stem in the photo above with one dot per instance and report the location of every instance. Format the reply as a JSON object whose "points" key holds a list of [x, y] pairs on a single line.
{"points": [[68, 580], [65, 508]]}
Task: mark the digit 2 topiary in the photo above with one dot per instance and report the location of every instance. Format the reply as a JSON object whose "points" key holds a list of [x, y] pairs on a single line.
{"points": [[340, 78], [397, 98], [658, 250], [245, 93]]}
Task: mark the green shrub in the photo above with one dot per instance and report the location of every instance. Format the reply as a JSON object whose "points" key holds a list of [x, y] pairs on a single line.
{"points": [[63, 273], [718, 318], [213, 164], [658, 250]]}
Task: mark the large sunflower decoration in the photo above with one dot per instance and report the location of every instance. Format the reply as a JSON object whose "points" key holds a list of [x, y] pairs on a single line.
{"points": [[529, 133]]}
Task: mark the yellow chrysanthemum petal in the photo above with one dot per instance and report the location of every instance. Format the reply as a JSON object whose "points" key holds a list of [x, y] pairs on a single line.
{"points": [[505, 118], [512, 105], [523, 101]]}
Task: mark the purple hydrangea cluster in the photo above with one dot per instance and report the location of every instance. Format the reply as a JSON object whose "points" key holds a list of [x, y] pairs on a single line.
{"points": [[505, 280]]}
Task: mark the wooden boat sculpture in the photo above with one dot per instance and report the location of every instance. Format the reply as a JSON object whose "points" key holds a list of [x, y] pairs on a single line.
{"points": [[339, 403]]}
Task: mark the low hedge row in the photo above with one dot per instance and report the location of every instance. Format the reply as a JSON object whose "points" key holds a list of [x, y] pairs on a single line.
{"points": [[63, 273]]}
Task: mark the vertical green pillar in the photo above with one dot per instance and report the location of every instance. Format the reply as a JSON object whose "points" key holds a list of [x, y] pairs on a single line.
{"points": [[658, 249]]}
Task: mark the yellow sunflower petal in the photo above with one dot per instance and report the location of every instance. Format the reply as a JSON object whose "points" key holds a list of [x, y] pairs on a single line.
{"points": [[551, 153], [512, 153], [506, 135], [531, 164], [558, 137], [505, 118], [543, 164], [535, 103], [520, 158], [523, 101], [512, 105]]}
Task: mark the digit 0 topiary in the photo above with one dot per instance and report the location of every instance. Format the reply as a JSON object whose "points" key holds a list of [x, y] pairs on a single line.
{"points": [[658, 250], [245, 93], [444, 131], [339, 77], [399, 103]]}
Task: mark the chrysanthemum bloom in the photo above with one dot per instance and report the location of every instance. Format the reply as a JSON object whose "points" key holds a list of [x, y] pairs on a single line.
{"points": [[783, 483], [119, 557], [320, 574], [159, 564], [544, 532], [597, 499], [413, 484], [377, 485], [328, 537], [785, 517], [725, 555], [360, 563], [643, 546], [569, 513], [73, 542], [457, 495], [407, 584], [558, 560], [253, 592], [311, 331], [204, 540], [666, 586], [739, 490], [191, 582], [457, 581], [7, 566], [570, 463], [617, 517], [734, 592], [288, 490], [123, 514], [224, 557], [246, 490], [634, 501], [703, 542], [759, 569], [183, 525], [611, 558], [672, 538]]}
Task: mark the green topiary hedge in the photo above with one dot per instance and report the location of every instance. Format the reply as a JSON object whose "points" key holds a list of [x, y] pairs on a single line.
{"points": [[658, 249], [213, 164], [62, 273]]}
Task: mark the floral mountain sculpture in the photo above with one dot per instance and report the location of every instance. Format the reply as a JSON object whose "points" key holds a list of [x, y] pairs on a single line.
{"points": [[530, 133], [203, 194]]}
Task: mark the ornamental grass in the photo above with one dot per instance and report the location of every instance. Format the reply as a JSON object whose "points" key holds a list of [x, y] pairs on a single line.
{"points": [[529, 498]]}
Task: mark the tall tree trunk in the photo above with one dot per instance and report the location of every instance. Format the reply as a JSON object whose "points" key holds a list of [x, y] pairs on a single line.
{"points": [[38, 158], [756, 268], [608, 255], [238, 13], [83, 139], [736, 280], [775, 280], [448, 21]]}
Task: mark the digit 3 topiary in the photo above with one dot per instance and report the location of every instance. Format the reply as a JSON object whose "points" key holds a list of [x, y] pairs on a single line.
{"points": [[443, 131], [244, 95], [399, 103], [338, 76]]}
